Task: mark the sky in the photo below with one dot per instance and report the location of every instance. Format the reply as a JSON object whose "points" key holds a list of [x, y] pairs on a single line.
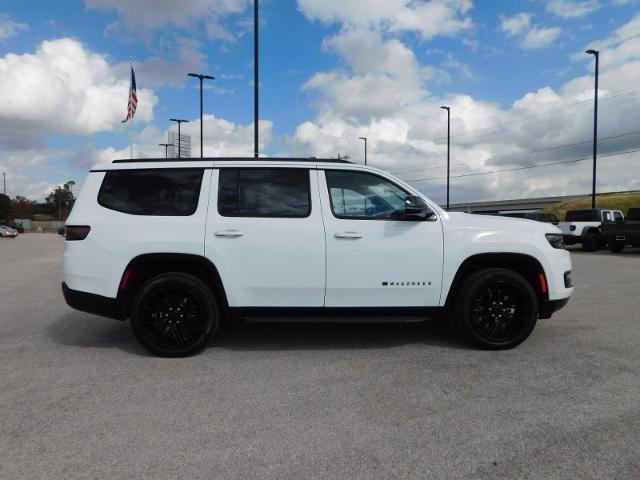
{"points": [[515, 75]]}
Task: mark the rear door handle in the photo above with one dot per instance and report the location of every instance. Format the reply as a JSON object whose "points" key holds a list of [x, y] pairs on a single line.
{"points": [[353, 235], [228, 233]]}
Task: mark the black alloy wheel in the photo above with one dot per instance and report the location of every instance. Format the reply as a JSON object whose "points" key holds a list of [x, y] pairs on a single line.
{"points": [[498, 308], [174, 315], [591, 242]]}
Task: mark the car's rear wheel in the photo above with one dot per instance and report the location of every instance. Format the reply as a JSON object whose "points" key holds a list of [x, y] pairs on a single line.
{"points": [[616, 247], [591, 242], [497, 308], [174, 315]]}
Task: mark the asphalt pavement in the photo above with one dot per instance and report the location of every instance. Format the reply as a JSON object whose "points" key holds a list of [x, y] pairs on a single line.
{"points": [[80, 399]]}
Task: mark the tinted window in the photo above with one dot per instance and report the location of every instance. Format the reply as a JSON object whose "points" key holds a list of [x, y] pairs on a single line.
{"points": [[617, 217], [264, 192], [582, 216], [362, 195], [173, 192]]}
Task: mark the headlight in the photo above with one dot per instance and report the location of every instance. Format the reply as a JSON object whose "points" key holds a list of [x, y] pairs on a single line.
{"points": [[555, 240]]}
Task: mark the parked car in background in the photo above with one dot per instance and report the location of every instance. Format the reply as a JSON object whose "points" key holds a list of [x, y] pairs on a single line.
{"points": [[620, 235], [13, 225], [537, 216], [178, 245], [584, 227], [7, 231]]}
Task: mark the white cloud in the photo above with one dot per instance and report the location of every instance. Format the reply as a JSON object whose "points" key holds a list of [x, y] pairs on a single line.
{"points": [[9, 28], [623, 45], [428, 18], [540, 37], [221, 138], [147, 15], [572, 8], [64, 88], [381, 93], [530, 36], [516, 24]]}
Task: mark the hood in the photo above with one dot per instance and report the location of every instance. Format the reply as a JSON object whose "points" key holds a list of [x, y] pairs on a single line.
{"points": [[500, 223]]}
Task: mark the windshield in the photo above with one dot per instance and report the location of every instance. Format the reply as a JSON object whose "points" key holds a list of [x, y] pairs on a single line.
{"points": [[582, 216]]}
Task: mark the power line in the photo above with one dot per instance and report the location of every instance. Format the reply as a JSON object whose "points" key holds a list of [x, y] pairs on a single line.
{"points": [[563, 162], [520, 154], [544, 119]]}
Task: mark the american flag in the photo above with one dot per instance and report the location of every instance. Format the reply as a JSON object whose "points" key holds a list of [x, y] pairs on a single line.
{"points": [[133, 98]]}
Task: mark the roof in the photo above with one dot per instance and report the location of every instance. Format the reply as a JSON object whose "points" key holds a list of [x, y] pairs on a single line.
{"points": [[234, 159]]}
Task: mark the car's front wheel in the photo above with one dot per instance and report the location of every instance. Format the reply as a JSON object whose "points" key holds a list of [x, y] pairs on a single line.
{"points": [[497, 308], [174, 315]]}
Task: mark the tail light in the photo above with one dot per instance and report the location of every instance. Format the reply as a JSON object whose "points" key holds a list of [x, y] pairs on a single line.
{"points": [[76, 232]]}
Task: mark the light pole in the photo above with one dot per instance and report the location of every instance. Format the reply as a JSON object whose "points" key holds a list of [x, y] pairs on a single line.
{"points": [[365, 148], [179, 121], [4, 183], [255, 78], [596, 54], [448, 109], [166, 148], [201, 77]]}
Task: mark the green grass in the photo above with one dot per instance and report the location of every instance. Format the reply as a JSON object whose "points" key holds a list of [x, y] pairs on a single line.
{"points": [[617, 201]]}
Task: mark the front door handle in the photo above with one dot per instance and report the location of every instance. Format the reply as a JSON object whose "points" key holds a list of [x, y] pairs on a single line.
{"points": [[353, 235], [228, 233]]}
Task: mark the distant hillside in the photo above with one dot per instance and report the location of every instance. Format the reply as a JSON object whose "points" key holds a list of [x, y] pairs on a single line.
{"points": [[619, 201]]}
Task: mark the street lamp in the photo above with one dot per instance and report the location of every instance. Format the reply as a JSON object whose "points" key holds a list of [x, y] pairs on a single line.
{"points": [[365, 148], [166, 148], [4, 183], [256, 83], [448, 109], [596, 54], [179, 121], [201, 77]]}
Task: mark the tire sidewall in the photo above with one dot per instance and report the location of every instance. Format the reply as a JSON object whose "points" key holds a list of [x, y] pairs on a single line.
{"points": [[590, 243], [474, 284], [198, 289]]}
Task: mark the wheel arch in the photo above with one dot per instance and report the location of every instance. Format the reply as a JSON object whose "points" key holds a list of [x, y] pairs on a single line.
{"points": [[143, 267], [526, 265]]}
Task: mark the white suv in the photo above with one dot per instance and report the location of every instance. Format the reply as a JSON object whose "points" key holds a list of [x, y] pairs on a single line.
{"points": [[178, 245]]}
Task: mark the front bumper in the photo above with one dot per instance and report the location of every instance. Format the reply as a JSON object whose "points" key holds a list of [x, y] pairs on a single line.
{"points": [[549, 307], [96, 304]]}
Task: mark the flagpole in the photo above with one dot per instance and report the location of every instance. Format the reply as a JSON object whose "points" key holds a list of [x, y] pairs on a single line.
{"points": [[131, 126]]}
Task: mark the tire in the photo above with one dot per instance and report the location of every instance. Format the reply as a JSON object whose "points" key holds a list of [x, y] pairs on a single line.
{"points": [[590, 243], [497, 309], [616, 247], [174, 315]]}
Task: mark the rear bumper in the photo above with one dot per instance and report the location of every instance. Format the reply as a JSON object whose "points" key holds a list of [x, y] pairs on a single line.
{"points": [[96, 304], [549, 307]]}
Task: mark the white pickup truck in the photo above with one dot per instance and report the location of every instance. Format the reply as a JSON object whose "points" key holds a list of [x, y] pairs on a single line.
{"points": [[583, 226]]}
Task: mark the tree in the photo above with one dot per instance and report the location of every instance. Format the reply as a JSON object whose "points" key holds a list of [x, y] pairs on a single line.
{"points": [[22, 207], [5, 207], [60, 201]]}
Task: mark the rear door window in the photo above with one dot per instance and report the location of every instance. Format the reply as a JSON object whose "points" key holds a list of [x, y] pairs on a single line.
{"points": [[264, 192], [170, 192]]}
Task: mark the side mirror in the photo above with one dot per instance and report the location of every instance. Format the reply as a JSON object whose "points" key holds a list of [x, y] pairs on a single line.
{"points": [[416, 208]]}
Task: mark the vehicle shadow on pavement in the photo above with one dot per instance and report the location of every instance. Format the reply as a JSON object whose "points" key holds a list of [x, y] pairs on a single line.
{"points": [[83, 330], [80, 329], [332, 336]]}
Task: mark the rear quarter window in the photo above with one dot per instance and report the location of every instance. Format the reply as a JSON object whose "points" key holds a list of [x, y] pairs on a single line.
{"points": [[170, 192]]}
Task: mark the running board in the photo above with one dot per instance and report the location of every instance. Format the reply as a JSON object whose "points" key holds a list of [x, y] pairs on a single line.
{"points": [[347, 319]]}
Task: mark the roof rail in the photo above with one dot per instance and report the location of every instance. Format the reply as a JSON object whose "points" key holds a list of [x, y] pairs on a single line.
{"points": [[232, 159]]}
